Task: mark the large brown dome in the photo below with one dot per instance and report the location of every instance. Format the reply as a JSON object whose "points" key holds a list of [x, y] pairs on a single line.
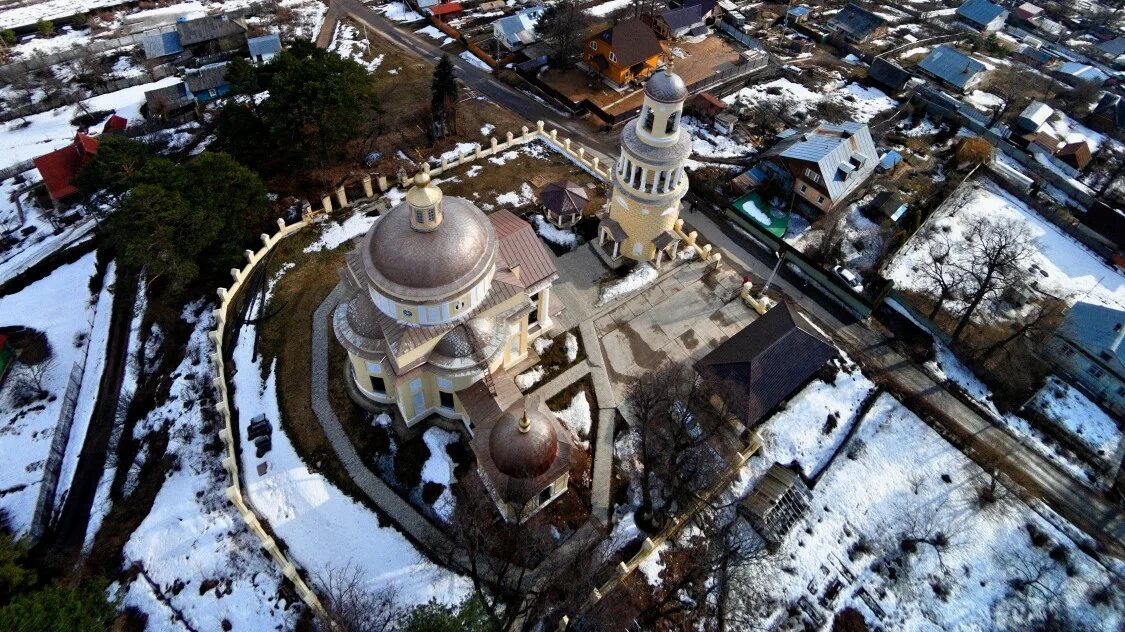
{"points": [[420, 265], [519, 453]]}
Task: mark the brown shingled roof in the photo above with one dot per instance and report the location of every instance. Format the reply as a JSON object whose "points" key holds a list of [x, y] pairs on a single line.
{"points": [[632, 40], [520, 246]]}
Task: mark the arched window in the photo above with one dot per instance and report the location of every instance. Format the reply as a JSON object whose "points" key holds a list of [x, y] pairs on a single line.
{"points": [[649, 118], [671, 126], [418, 217]]}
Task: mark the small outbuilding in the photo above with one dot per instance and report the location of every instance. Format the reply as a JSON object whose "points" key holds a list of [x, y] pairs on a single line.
{"points": [[888, 75], [264, 48], [1034, 116], [1076, 154], [563, 201], [889, 205], [982, 15]]}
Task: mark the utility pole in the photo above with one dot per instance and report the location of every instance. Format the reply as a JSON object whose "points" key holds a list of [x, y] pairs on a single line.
{"points": [[773, 272]]}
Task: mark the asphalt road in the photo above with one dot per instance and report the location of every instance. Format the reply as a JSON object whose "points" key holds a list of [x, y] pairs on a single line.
{"points": [[482, 82]]}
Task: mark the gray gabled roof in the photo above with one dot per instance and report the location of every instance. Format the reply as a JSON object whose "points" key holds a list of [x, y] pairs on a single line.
{"points": [[168, 98], [765, 363], [888, 74], [206, 29], [952, 66], [1093, 327], [1036, 113], [980, 12], [856, 21], [207, 77], [840, 165]]}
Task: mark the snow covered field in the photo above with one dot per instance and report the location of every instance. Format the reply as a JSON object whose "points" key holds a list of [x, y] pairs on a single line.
{"points": [[59, 306], [1064, 267], [1082, 418], [797, 100], [897, 479]]}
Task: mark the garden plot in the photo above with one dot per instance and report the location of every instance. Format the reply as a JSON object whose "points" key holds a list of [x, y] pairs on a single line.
{"points": [[860, 240], [794, 99], [897, 485], [1062, 266], [308, 15], [193, 538], [706, 143], [60, 307], [323, 529]]}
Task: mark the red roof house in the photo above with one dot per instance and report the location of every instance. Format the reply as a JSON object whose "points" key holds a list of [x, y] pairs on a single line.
{"points": [[59, 167], [447, 10], [115, 123]]}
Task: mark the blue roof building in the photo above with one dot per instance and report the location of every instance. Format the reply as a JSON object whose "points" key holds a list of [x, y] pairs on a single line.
{"points": [[264, 48], [982, 15], [518, 30], [1088, 349], [952, 67], [160, 45]]}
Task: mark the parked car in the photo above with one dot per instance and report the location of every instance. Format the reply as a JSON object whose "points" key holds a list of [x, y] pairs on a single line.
{"points": [[849, 277]]}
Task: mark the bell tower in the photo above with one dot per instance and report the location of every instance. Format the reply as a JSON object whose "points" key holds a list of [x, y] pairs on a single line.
{"points": [[424, 200], [649, 179]]}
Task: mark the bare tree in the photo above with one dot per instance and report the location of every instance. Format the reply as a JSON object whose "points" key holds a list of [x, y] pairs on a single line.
{"points": [[563, 28], [996, 250], [351, 604], [938, 273], [675, 418]]}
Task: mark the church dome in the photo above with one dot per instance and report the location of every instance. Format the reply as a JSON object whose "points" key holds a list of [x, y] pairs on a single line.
{"points": [[461, 341], [419, 265], [523, 444], [666, 86]]}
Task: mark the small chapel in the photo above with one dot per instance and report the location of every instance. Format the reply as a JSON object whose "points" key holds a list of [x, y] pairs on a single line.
{"points": [[442, 301]]}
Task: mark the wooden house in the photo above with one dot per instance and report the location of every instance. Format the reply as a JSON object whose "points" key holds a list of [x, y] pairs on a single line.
{"points": [[627, 52]]}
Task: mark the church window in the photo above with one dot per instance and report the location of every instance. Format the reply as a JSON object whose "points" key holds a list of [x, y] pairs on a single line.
{"points": [[418, 218], [593, 46], [459, 305], [637, 248], [407, 313], [544, 496], [671, 125], [433, 215], [613, 57], [378, 385], [446, 400], [649, 119]]}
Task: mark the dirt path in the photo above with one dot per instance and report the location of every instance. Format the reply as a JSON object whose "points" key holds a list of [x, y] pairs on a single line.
{"points": [[67, 535]]}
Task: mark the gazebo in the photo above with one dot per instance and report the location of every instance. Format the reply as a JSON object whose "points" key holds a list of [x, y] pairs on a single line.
{"points": [[564, 202]]}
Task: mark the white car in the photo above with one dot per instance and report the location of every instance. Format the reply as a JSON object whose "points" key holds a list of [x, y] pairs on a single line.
{"points": [[849, 277]]}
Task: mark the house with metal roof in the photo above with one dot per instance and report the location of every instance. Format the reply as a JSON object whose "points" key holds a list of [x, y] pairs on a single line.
{"points": [[952, 68], [264, 48], [211, 35], [1112, 51], [680, 22], [857, 25], [1109, 114], [1028, 12], [161, 45], [982, 15], [1033, 56], [59, 167], [628, 51], [765, 363], [889, 75], [1088, 350], [827, 163], [1074, 73], [208, 83], [169, 101], [798, 14], [518, 30], [1034, 116]]}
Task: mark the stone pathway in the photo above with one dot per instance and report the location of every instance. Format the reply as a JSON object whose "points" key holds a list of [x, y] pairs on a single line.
{"points": [[546, 391], [607, 407], [398, 510]]}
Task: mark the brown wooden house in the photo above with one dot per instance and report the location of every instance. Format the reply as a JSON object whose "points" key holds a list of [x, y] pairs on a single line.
{"points": [[627, 52]]}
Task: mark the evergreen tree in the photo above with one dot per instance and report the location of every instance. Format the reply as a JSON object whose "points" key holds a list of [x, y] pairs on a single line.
{"points": [[443, 95], [58, 607], [469, 616]]}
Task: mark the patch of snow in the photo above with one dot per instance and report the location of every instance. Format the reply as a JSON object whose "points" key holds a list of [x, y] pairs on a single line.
{"points": [[433, 33], [570, 346], [530, 378], [475, 61], [487, 129], [439, 468], [576, 416], [639, 277], [606, 8], [524, 197], [1082, 418], [334, 233], [542, 344], [548, 231], [399, 12]]}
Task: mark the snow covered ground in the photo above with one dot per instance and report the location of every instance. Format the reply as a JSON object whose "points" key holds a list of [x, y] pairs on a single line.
{"points": [[606, 8], [43, 240], [350, 43], [1082, 418], [1063, 266], [59, 306], [706, 143], [399, 12], [797, 100], [559, 236], [639, 277], [576, 416], [898, 479], [323, 529], [193, 538], [39, 134], [308, 15], [475, 61]]}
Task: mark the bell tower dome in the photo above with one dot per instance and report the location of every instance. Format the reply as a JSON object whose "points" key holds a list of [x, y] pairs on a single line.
{"points": [[424, 200]]}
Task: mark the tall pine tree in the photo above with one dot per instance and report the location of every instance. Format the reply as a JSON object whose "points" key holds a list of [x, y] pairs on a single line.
{"points": [[443, 97]]}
